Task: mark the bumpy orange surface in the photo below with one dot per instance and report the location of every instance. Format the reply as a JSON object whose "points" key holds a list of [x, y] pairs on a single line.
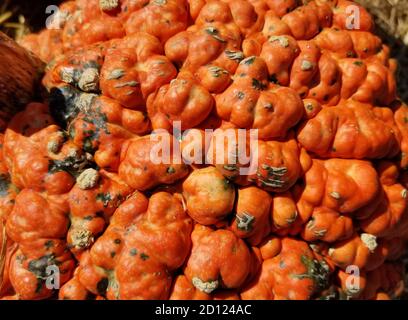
{"points": [[79, 188]]}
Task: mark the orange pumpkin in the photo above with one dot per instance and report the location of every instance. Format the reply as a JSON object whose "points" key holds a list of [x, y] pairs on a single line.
{"points": [[40, 235], [182, 100], [101, 127], [252, 218], [37, 154], [146, 240], [351, 130], [251, 103], [271, 165], [337, 188], [183, 289], [209, 196], [219, 251], [138, 169], [265, 135], [92, 201], [293, 274]]}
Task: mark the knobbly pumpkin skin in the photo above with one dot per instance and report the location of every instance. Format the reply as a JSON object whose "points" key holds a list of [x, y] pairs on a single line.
{"points": [[127, 70], [146, 240], [327, 188], [270, 165], [213, 40], [102, 126], [27, 274], [380, 141], [92, 201], [69, 68], [209, 196], [184, 100], [219, 251], [74, 290], [51, 221], [88, 25], [270, 247], [136, 166], [362, 250], [253, 210], [133, 68], [340, 15], [339, 185], [7, 251], [251, 103], [81, 23], [284, 211], [40, 236], [246, 15], [23, 122], [389, 217], [327, 225], [161, 19], [184, 290], [293, 274], [34, 168], [37, 154]]}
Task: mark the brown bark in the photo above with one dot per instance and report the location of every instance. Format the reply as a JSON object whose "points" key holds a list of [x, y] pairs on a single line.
{"points": [[20, 74]]}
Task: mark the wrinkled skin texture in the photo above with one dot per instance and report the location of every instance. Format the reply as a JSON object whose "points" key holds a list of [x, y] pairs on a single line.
{"points": [[351, 130], [40, 235], [358, 251], [340, 16], [83, 22], [7, 250], [87, 25], [137, 169], [293, 274], [253, 209], [46, 44], [182, 100], [184, 290], [103, 126], [250, 104], [91, 208], [133, 68], [146, 240], [389, 218], [219, 251], [327, 188], [73, 290], [37, 155], [271, 165], [127, 70], [336, 187], [327, 225], [210, 47], [160, 19]]}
